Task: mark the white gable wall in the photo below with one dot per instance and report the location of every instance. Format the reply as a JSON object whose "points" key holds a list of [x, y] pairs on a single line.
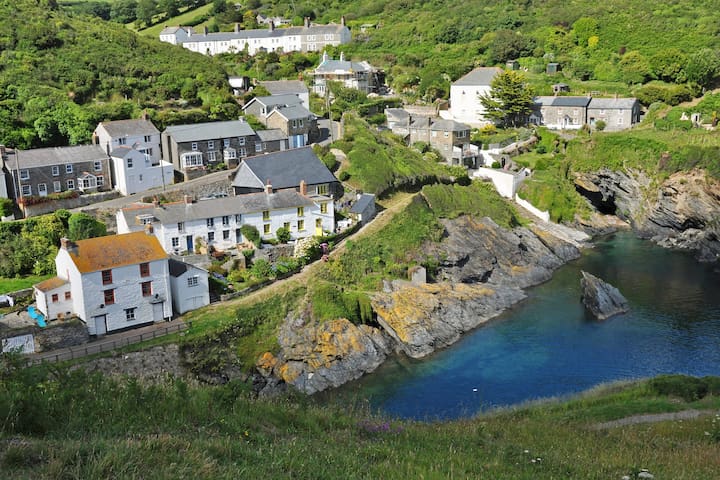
{"points": [[465, 103], [190, 296]]}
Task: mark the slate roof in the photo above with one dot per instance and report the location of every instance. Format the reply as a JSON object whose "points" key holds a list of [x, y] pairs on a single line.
{"points": [[113, 251], [449, 126], [613, 103], [271, 135], [122, 128], [397, 114], [280, 87], [261, 33], [177, 268], [284, 169], [570, 102], [50, 284], [335, 66], [42, 157], [209, 131], [170, 213], [292, 112], [362, 203], [478, 76], [123, 151], [274, 100]]}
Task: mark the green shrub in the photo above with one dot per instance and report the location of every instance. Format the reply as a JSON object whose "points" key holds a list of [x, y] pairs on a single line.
{"points": [[683, 386], [600, 125], [344, 176], [283, 235], [251, 233]]}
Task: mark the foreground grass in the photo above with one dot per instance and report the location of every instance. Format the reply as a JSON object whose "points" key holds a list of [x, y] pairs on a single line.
{"points": [[8, 285], [51, 427]]}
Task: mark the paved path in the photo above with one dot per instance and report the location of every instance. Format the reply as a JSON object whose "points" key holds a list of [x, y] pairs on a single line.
{"points": [[110, 342]]}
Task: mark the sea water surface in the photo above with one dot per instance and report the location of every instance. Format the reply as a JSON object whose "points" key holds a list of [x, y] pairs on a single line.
{"points": [[548, 346]]}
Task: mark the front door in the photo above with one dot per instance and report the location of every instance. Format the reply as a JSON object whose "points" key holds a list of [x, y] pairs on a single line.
{"points": [[100, 325], [189, 244], [318, 227], [158, 312]]}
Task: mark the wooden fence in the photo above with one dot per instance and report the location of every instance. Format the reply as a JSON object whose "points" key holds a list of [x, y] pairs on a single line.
{"points": [[106, 345]]}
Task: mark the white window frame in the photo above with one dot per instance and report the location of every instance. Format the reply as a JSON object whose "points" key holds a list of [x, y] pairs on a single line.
{"points": [[193, 281], [55, 170], [100, 180], [226, 142], [26, 190], [42, 188], [68, 168], [192, 159], [194, 146], [211, 144], [130, 314], [71, 184], [258, 146], [57, 186], [175, 242], [241, 140], [24, 174], [129, 162], [211, 156], [97, 165]]}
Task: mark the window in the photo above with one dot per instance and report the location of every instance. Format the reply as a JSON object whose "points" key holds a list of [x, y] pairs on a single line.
{"points": [[71, 184], [146, 288], [241, 140], [68, 295], [301, 225], [266, 229], [446, 134], [55, 170], [322, 189], [211, 144], [192, 159], [97, 165], [243, 152], [226, 234], [311, 38], [26, 190], [300, 211], [323, 207], [109, 296], [211, 156], [145, 269], [225, 220], [193, 146], [130, 314], [122, 141], [54, 297], [211, 237], [286, 226], [42, 189], [25, 174], [300, 123], [266, 215], [226, 142], [258, 146], [129, 163], [147, 138], [175, 242], [620, 120], [106, 277], [238, 219], [181, 227], [100, 180], [57, 187], [210, 222], [68, 168], [192, 281]]}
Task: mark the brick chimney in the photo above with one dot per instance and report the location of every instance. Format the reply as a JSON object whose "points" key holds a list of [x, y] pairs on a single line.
{"points": [[268, 187], [68, 245], [149, 229], [303, 187]]}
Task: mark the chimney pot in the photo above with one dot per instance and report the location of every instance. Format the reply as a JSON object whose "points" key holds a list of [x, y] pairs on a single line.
{"points": [[303, 187], [149, 229], [268, 187]]}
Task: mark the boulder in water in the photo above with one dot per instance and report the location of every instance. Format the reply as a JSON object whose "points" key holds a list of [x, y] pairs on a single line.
{"points": [[600, 298]]}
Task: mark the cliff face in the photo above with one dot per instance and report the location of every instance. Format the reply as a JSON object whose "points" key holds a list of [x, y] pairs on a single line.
{"points": [[683, 212], [317, 356], [483, 269]]}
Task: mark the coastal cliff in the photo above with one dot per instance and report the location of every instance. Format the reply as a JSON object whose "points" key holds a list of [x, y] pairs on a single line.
{"points": [[482, 269], [681, 212]]}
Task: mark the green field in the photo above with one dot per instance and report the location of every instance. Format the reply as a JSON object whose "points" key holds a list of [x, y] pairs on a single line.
{"points": [[182, 19], [8, 285]]}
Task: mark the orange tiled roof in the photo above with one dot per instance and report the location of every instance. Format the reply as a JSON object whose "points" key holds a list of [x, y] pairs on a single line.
{"points": [[112, 251], [50, 284]]}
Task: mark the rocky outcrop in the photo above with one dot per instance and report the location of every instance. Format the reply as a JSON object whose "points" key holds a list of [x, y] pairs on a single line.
{"points": [[317, 356], [600, 298], [483, 269], [426, 317], [682, 212]]}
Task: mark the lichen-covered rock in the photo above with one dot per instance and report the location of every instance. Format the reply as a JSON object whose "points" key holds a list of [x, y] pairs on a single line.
{"points": [[600, 298], [317, 356], [427, 317]]}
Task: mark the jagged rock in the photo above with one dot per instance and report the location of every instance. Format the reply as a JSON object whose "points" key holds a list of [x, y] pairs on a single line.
{"points": [[681, 213], [423, 318], [600, 298], [317, 356]]}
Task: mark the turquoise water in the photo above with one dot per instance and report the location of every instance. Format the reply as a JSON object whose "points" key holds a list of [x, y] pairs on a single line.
{"points": [[547, 346]]}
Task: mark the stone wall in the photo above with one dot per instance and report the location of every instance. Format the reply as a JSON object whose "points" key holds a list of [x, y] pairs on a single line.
{"points": [[68, 204], [56, 335]]}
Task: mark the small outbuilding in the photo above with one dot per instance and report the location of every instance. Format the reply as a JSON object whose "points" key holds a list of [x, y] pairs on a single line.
{"points": [[363, 210], [189, 285]]}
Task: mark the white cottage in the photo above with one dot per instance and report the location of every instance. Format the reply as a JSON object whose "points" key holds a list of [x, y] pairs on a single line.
{"points": [[135, 171], [139, 134], [190, 286], [465, 95], [111, 283]]}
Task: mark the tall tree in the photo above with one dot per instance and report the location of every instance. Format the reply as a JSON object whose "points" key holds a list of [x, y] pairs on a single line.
{"points": [[510, 100]]}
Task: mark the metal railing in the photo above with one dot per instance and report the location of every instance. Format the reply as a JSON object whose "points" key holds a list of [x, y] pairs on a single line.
{"points": [[105, 345]]}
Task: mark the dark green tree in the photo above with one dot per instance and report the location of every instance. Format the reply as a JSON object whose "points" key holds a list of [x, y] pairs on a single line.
{"points": [[703, 67], [82, 226], [510, 100], [145, 11]]}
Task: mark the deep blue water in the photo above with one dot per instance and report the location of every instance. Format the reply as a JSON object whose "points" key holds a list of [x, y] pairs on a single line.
{"points": [[547, 346]]}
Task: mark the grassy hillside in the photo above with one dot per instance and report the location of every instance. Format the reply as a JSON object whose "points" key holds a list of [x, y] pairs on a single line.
{"points": [[62, 74], [60, 424], [189, 17]]}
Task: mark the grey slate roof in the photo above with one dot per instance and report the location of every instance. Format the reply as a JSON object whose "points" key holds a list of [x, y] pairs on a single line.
{"points": [[121, 128], [170, 213], [284, 169], [478, 76], [280, 87], [449, 126], [41, 157], [333, 66], [274, 100], [271, 135], [262, 33], [177, 267], [209, 131], [613, 103], [570, 102], [121, 152], [397, 114], [292, 112], [362, 203]]}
